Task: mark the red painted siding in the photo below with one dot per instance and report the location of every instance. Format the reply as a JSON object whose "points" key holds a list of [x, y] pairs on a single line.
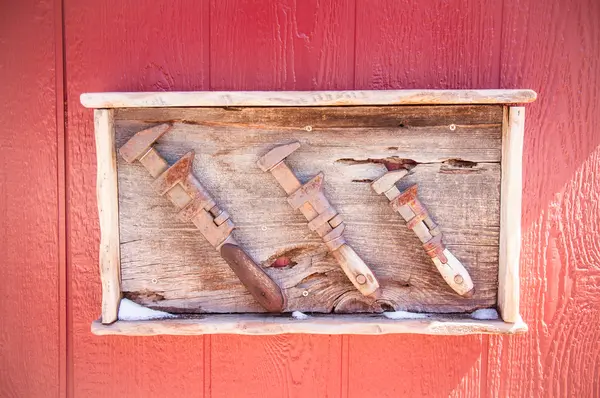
{"points": [[49, 275], [30, 342]]}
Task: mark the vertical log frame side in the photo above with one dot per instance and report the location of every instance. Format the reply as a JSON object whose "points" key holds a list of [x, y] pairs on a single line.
{"points": [[513, 126], [108, 213]]}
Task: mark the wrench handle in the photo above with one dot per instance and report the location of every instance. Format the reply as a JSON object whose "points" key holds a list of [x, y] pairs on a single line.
{"points": [[455, 274], [254, 278], [357, 271]]}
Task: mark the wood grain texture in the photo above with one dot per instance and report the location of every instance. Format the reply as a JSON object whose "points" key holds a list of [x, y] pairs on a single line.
{"points": [[306, 98], [31, 353], [112, 45], [251, 324], [513, 129], [108, 213], [281, 45], [275, 366], [166, 265], [560, 270], [422, 366], [454, 44]]}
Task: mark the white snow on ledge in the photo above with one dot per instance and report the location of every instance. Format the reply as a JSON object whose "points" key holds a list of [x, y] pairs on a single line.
{"points": [[404, 315], [485, 314], [130, 311], [299, 315], [482, 314]]}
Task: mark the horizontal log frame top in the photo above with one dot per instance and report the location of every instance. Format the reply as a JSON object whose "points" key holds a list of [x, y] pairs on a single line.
{"points": [[304, 98], [510, 229]]}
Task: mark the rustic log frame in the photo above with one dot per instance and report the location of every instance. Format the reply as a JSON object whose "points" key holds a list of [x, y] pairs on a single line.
{"points": [[257, 324], [108, 213], [513, 127]]}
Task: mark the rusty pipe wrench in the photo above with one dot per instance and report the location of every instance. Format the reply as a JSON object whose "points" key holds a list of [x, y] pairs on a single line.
{"points": [[179, 184], [408, 205], [323, 218]]}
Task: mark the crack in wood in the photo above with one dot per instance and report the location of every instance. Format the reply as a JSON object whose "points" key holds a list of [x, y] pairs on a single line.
{"points": [[294, 254], [448, 166], [143, 296], [390, 163]]}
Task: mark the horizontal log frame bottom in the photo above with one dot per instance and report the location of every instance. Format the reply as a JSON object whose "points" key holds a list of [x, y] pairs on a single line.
{"points": [[258, 324]]}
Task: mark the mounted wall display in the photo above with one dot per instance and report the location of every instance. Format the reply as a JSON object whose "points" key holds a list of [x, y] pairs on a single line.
{"points": [[354, 212]]}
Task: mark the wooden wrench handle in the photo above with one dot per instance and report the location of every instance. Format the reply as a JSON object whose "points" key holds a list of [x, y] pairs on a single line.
{"points": [[357, 271], [455, 274], [254, 278]]}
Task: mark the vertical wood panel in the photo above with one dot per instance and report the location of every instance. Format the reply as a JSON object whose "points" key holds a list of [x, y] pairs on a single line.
{"points": [[426, 44], [559, 57], [275, 45], [115, 45], [275, 366], [282, 45], [414, 366], [29, 225]]}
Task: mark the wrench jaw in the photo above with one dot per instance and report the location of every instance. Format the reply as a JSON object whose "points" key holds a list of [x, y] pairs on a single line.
{"points": [[277, 155], [142, 141], [201, 208]]}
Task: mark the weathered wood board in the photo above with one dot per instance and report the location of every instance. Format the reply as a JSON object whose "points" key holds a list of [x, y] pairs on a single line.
{"points": [[452, 152]]}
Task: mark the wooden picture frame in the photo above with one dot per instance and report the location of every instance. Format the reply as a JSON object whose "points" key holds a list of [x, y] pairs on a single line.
{"points": [[510, 215]]}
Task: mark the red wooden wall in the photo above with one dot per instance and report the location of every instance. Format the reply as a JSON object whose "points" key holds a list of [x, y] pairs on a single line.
{"points": [[53, 50]]}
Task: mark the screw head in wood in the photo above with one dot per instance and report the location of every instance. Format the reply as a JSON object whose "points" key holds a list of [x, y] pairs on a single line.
{"points": [[458, 279], [361, 279], [453, 127], [305, 293]]}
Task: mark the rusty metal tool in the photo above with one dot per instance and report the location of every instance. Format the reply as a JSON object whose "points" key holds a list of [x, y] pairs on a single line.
{"points": [[323, 218], [408, 205], [179, 184]]}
